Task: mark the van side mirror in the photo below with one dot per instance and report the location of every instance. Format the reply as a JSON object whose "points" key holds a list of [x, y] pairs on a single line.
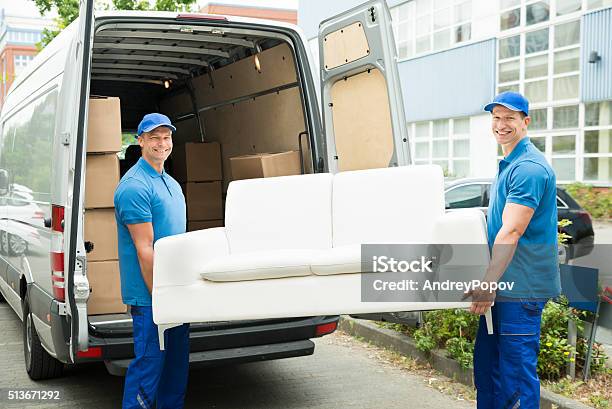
{"points": [[4, 182]]}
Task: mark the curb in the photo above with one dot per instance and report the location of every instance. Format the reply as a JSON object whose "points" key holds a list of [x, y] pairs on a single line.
{"points": [[404, 345]]}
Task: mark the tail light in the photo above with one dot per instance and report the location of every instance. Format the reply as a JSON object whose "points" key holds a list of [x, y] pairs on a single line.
{"points": [[584, 216], [57, 253], [324, 329]]}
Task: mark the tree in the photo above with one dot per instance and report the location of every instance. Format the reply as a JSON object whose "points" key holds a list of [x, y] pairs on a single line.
{"points": [[68, 11]]}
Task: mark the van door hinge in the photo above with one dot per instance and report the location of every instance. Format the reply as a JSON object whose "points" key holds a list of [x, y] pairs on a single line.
{"points": [[61, 308], [65, 138], [372, 14]]}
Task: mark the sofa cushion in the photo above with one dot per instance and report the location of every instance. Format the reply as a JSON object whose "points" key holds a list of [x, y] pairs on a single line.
{"points": [[259, 265], [286, 212], [338, 260], [391, 205]]}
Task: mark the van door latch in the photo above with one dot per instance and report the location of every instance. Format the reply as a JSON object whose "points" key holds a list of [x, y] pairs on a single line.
{"points": [[372, 15], [61, 308]]}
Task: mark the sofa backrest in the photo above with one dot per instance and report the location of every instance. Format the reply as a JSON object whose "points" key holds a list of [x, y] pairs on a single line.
{"points": [[286, 212], [390, 205]]}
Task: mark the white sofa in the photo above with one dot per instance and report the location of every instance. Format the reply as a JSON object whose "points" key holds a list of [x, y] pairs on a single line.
{"points": [[291, 246]]}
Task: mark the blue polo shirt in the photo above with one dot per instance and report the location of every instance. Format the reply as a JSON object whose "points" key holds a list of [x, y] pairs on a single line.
{"points": [[525, 177], [144, 195]]}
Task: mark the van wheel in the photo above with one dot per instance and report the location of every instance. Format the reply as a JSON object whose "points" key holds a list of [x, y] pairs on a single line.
{"points": [[16, 245], [39, 364]]}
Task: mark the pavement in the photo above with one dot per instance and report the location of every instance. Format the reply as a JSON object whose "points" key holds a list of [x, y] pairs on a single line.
{"points": [[342, 373], [603, 231]]}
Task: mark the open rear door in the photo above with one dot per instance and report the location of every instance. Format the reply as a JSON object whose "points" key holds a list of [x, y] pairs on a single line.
{"points": [[363, 110], [77, 94]]}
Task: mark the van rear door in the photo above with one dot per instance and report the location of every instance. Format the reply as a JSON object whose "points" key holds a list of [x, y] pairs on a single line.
{"points": [[77, 286], [363, 110]]}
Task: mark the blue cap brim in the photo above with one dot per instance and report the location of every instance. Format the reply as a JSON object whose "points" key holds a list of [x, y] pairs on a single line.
{"points": [[489, 107], [172, 127]]}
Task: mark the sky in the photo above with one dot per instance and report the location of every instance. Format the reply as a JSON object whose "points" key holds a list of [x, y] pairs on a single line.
{"points": [[27, 7]]}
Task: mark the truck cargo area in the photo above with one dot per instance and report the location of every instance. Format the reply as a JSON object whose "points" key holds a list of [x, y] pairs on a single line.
{"points": [[235, 87]]}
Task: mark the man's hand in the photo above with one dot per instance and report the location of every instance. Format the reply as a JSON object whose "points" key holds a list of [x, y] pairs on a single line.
{"points": [[481, 300]]}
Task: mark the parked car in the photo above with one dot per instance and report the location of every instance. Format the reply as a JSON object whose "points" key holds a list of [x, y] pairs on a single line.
{"points": [[247, 83], [474, 193]]}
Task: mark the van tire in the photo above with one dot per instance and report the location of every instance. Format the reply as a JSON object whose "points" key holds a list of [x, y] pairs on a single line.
{"points": [[39, 364]]}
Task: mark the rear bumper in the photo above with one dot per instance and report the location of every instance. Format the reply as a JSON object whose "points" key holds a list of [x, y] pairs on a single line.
{"points": [[231, 356], [583, 247], [223, 343]]}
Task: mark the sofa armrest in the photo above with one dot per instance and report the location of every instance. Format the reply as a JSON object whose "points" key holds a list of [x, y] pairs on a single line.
{"points": [[178, 260], [465, 234], [465, 226]]}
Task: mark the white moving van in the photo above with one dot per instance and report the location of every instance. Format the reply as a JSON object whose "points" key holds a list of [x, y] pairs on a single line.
{"points": [[249, 85]]}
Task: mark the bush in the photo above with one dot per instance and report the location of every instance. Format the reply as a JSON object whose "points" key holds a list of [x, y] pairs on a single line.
{"points": [[461, 350], [595, 201], [455, 330]]}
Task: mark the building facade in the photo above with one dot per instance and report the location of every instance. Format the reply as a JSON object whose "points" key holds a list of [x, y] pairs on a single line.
{"points": [[455, 55], [18, 37]]}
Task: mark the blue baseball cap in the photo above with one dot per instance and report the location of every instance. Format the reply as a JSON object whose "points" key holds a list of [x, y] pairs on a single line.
{"points": [[152, 121], [511, 100]]}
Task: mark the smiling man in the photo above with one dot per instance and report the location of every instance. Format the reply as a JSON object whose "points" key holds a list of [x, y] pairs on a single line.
{"points": [[149, 205], [522, 234]]}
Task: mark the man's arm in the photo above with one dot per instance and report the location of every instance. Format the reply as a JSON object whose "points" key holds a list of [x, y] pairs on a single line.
{"points": [[515, 220], [142, 236]]}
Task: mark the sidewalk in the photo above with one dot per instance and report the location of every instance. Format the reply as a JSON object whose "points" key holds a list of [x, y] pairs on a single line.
{"points": [[404, 345], [603, 231]]}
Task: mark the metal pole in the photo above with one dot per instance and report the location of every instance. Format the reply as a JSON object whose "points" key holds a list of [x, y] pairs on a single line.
{"points": [[587, 364]]}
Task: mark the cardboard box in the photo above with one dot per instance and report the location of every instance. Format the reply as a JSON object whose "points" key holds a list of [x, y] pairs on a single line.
{"points": [[101, 230], [105, 283], [104, 125], [101, 179], [203, 200], [264, 165], [197, 162], [193, 225]]}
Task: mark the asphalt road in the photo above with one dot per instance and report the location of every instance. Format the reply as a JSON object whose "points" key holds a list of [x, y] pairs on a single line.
{"points": [[343, 373]]}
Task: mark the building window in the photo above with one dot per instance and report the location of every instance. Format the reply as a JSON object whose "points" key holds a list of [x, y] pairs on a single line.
{"points": [[20, 62], [525, 59], [526, 13], [598, 142], [510, 19], [444, 142], [402, 17], [422, 26], [568, 6], [593, 4], [537, 12]]}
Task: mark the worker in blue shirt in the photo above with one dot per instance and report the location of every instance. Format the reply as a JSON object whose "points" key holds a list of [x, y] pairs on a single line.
{"points": [[149, 205], [522, 236]]}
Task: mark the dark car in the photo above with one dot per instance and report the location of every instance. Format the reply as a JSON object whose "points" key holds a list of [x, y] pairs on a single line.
{"points": [[474, 193]]}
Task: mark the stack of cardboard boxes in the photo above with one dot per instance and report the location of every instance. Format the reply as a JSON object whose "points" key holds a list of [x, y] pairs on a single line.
{"points": [[197, 167], [101, 179]]}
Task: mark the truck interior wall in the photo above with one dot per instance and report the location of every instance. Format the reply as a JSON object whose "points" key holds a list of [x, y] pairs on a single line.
{"points": [[268, 123], [362, 141]]}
